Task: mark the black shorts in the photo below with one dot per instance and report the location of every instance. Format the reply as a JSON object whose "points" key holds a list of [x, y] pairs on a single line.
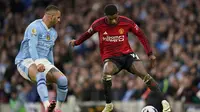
{"points": [[123, 61]]}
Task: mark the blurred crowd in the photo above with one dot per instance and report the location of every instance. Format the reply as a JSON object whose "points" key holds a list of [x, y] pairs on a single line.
{"points": [[171, 26]]}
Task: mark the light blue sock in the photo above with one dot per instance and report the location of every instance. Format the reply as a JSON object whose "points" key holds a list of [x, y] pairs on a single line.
{"points": [[41, 86], [62, 88]]}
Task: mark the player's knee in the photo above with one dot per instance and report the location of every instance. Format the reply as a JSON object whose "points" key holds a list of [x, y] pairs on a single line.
{"points": [[40, 76], [108, 71], [62, 83]]}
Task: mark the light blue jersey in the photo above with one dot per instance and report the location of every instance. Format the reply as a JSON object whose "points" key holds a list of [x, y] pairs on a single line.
{"points": [[38, 42]]}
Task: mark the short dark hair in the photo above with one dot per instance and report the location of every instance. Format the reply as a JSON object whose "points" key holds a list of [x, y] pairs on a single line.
{"points": [[51, 7], [110, 9]]}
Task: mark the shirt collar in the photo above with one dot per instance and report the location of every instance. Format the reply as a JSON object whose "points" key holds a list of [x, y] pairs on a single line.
{"points": [[45, 25]]}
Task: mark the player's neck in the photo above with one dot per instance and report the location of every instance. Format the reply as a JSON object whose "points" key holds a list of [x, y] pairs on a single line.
{"points": [[108, 23], [46, 22]]}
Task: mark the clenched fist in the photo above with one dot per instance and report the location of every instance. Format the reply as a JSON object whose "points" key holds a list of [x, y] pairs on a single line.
{"points": [[72, 43], [40, 68]]}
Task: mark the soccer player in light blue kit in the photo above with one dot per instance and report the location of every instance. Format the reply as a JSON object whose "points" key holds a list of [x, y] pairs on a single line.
{"points": [[35, 59]]}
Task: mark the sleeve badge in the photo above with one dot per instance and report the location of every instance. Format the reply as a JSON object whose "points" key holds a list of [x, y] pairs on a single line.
{"points": [[33, 31], [90, 30]]}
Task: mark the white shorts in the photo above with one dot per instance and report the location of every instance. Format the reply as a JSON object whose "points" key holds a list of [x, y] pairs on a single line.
{"points": [[23, 66]]}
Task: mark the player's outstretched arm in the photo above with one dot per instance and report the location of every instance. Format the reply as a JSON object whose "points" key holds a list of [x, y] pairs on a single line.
{"points": [[143, 40], [50, 56], [83, 37], [32, 34]]}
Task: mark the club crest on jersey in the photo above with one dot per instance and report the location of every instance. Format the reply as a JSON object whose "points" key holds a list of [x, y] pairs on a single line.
{"points": [[33, 31], [48, 37], [121, 31]]}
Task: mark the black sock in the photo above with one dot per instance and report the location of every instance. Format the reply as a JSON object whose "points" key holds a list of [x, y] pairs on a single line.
{"points": [[156, 96], [107, 90], [154, 87], [154, 99]]}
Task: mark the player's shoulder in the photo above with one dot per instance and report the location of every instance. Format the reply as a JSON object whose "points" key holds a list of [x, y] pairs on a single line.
{"points": [[99, 21], [33, 27], [35, 24], [125, 19]]}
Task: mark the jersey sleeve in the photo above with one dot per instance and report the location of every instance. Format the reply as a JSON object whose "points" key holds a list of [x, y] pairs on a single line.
{"points": [[86, 35], [142, 38], [32, 33], [50, 55]]}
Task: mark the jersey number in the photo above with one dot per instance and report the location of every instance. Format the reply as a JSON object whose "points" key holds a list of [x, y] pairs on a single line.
{"points": [[135, 56]]}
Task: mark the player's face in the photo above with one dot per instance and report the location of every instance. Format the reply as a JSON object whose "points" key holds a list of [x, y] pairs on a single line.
{"points": [[112, 19], [55, 18]]}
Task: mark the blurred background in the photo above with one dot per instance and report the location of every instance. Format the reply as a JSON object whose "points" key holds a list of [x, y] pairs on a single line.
{"points": [[172, 27]]}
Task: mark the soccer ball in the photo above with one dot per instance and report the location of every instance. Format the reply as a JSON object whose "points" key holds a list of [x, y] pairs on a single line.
{"points": [[149, 109]]}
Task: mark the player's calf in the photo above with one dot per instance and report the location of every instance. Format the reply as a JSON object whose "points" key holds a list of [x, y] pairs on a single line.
{"points": [[62, 89], [107, 83], [42, 89], [151, 83], [107, 92]]}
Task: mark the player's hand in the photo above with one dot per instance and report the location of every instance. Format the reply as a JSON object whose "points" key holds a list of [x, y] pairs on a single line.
{"points": [[40, 68], [72, 43], [152, 58]]}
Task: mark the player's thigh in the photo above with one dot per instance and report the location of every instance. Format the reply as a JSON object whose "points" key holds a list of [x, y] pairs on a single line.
{"points": [[27, 69], [32, 71], [53, 74], [138, 69], [110, 68]]}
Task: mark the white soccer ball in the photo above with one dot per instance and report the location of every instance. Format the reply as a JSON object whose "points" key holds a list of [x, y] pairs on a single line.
{"points": [[149, 109]]}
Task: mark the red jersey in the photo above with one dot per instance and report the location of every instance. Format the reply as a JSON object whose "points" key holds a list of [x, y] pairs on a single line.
{"points": [[113, 39]]}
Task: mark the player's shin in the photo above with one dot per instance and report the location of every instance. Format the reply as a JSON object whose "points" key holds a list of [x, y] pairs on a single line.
{"points": [[61, 91], [107, 88], [152, 84], [42, 89]]}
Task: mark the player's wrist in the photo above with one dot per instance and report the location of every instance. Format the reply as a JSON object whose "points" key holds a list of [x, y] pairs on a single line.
{"points": [[75, 42], [150, 53]]}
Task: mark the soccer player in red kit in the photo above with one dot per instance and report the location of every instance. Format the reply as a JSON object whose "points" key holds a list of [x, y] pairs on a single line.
{"points": [[116, 52]]}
